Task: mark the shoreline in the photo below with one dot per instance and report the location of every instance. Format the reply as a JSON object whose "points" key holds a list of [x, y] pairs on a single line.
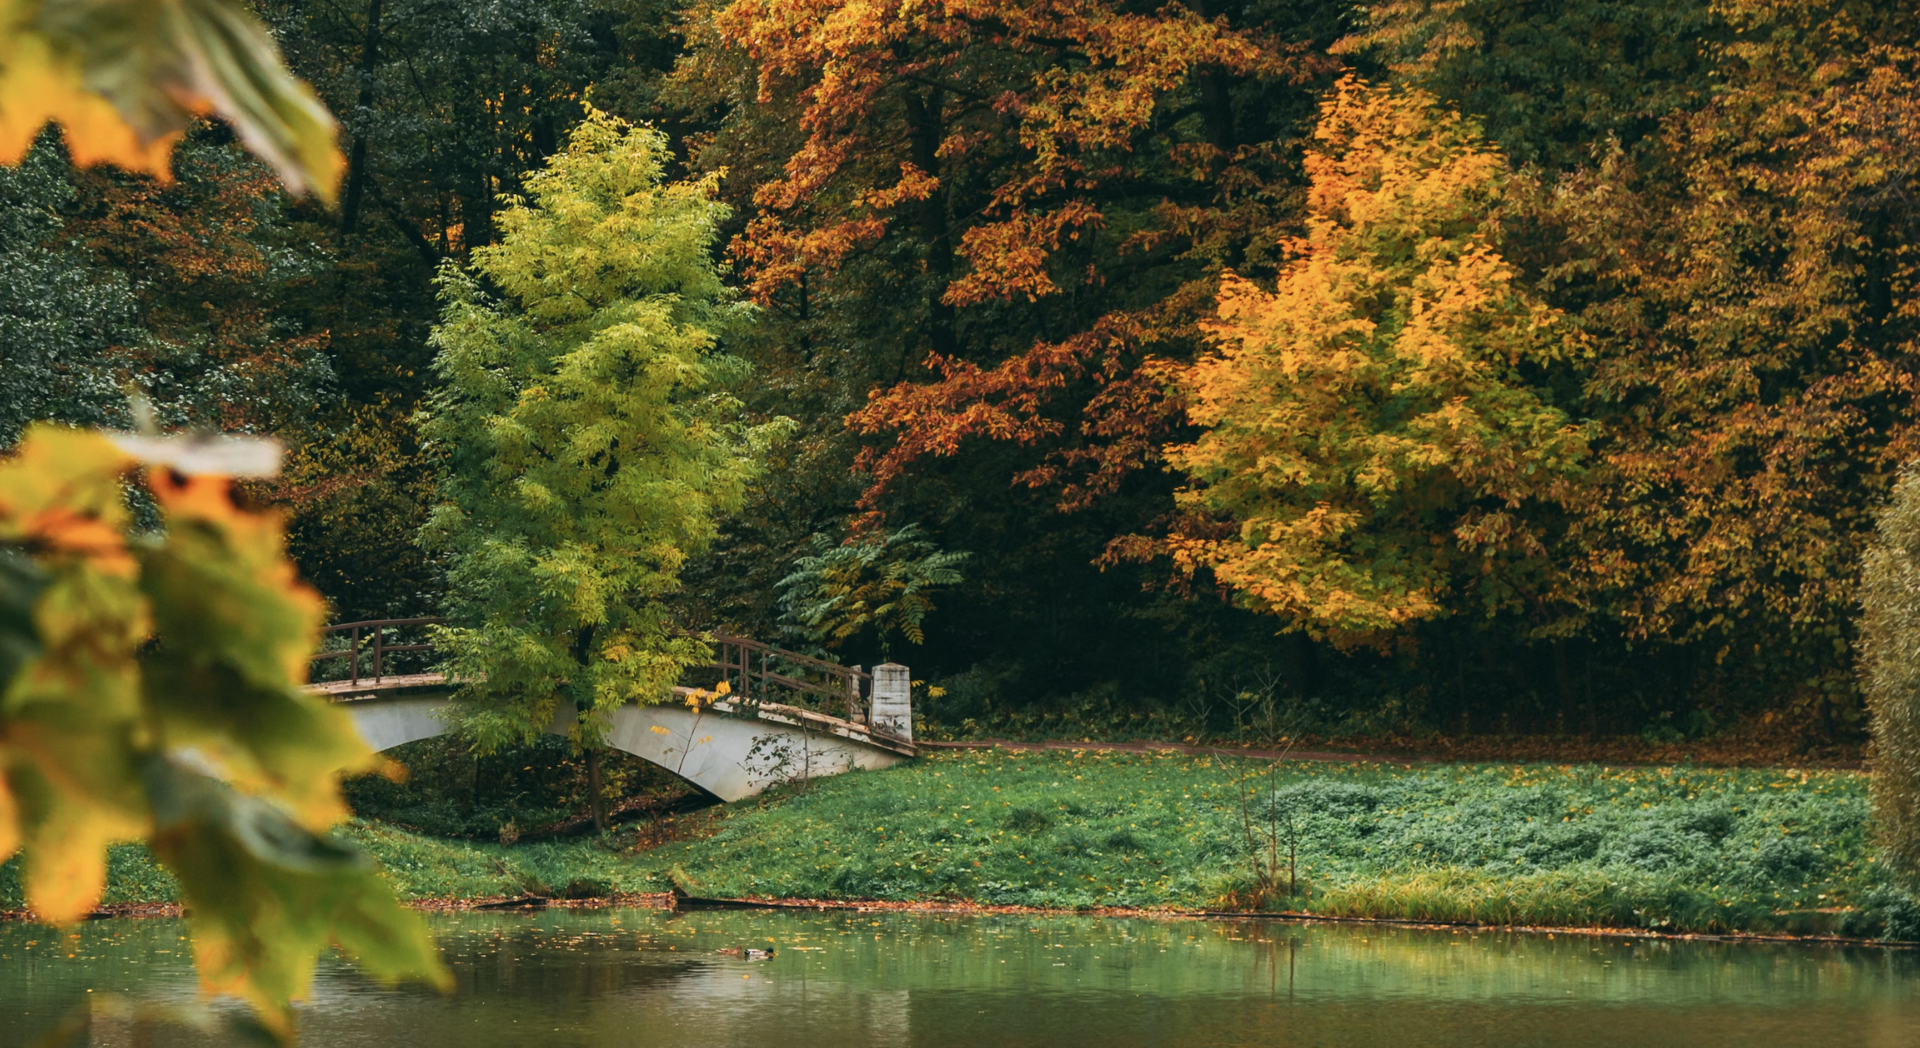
{"points": [[674, 902]]}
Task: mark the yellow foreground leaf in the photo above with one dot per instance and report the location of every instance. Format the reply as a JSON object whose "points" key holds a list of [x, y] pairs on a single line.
{"points": [[126, 77]]}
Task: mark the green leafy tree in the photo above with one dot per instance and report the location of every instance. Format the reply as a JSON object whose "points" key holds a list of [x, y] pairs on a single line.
{"points": [[883, 581], [587, 447], [62, 319], [1890, 676]]}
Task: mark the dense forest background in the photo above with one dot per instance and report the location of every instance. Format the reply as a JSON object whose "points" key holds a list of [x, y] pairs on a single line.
{"points": [[980, 235]]}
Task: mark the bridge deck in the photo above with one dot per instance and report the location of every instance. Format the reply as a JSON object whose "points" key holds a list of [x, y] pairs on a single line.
{"points": [[373, 688], [805, 718]]}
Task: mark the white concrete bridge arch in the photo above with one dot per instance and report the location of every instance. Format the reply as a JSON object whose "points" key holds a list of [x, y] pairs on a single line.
{"points": [[732, 746], [727, 748]]}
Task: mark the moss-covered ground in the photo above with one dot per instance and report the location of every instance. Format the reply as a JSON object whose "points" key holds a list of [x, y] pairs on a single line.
{"points": [[1674, 848]]}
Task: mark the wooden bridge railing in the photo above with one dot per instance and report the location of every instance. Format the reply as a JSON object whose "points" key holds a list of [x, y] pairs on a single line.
{"points": [[754, 672], [757, 672], [377, 628]]}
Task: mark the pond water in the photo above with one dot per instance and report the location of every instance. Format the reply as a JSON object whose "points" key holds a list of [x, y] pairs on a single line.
{"points": [[642, 978]]}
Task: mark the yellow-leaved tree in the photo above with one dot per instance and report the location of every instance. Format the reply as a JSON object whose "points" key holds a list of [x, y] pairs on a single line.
{"points": [[1377, 431], [152, 692]]}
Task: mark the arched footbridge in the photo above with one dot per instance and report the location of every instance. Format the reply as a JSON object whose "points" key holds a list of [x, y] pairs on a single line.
{"points": [[784, 716]]}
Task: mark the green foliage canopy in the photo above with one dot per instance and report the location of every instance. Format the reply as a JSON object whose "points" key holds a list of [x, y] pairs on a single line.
{"points": [[882, 581], [588, 448], [60, 318]]}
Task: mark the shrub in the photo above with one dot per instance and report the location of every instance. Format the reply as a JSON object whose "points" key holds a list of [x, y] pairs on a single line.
{"points": [[1656, 849], [1890, 675], [1328, 798], [1898, 912], [1784, 859], [1555, 844], [1712, 821]]}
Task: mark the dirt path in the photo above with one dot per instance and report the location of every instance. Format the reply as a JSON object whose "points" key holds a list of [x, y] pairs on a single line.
{"points": [[1405, 759], [1178, 747]]}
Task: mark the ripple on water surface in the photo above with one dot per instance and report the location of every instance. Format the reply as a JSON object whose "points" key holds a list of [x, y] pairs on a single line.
{"points": [[641, 979]]}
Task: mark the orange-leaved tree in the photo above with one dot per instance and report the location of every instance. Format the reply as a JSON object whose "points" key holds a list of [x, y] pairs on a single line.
{"points": [[1748, 289], [1375, 428], [1039, 191]]}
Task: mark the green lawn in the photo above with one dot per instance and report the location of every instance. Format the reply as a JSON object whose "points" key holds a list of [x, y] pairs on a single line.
{"points": [[1674, 848]]}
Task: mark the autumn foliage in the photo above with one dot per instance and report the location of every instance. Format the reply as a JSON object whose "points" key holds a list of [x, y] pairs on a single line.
{"points": [[1569, 332], [1370, 426], [1023, 153], [125, 80], [1531, 367], [1747, 287]]}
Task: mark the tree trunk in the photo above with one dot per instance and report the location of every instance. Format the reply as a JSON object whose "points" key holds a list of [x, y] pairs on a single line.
{"points": [[476, 225], [363, 108], [596, 798], [1593, 715], [1216, 117], [582, 654], [1306, 665], [1563, 681], [1216, 104], [925, 124]]}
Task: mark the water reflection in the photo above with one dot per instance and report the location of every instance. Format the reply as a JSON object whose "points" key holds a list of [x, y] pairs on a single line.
{"points": [[644, 979]]}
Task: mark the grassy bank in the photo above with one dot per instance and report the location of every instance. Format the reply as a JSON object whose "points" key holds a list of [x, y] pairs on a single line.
{"points": [[1684, 849], [1676, 848]]}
